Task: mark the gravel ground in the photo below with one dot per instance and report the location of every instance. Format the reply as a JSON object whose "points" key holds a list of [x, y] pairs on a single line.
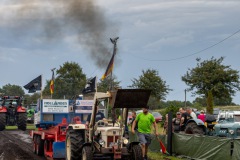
{"points": [[16, 145]]}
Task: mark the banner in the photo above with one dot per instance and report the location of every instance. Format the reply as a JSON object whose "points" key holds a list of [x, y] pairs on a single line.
{"points": [[34, 85], [84, 106], [55, 106]]}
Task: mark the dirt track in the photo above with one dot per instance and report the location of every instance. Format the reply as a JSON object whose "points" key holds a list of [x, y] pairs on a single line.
{"points": [[16, 145]]}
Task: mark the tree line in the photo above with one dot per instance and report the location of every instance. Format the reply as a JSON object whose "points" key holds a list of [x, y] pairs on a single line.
{"points": [[212, 82]]}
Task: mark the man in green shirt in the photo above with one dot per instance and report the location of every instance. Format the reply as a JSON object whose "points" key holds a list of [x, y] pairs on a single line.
{"points": [[145, 121]]}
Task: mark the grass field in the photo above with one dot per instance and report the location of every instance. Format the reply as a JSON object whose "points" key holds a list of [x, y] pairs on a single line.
{"points": [[29, 127]]}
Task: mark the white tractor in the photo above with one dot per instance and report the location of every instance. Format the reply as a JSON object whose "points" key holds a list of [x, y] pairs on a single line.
{"points": [[106, 138]]}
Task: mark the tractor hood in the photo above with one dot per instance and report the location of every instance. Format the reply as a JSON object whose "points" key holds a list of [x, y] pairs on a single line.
{"points": [[227, 125]]}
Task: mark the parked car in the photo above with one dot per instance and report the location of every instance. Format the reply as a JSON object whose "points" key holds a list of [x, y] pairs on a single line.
{"points": [[129, 117], [157, 116]]}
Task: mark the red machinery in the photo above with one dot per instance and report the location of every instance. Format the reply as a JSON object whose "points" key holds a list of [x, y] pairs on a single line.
{"points": [[12, 112], [50, 142]]}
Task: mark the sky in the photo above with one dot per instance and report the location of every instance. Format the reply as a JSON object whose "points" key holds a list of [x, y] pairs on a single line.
{"points": [[166, 36]]}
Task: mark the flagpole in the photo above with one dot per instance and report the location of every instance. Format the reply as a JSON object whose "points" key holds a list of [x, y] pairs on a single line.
{"points": [[114, 42], [52, 83], [41, 86]]}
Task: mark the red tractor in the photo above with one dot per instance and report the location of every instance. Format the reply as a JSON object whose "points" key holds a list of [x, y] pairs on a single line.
{"points": [[12, 113]]}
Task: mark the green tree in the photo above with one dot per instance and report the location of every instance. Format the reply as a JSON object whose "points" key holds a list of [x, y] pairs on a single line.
{"points": [[31, 99], [105, 85], [12, 90], [70, 81], [151, 80], [212, 75], [210, 102]]}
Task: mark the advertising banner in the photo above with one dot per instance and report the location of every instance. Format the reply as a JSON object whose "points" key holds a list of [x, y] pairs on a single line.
{"points": [[84, 106], [55, 106]]}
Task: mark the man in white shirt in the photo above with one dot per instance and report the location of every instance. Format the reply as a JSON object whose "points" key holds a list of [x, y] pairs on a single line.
{"points": [[192, 114]]}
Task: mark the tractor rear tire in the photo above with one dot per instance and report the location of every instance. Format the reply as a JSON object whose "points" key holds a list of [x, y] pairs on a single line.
{"points": [[193, 128], [136, 152], [74, 142], [2, 121], [39, 146], [22, 121], [87, 153]]}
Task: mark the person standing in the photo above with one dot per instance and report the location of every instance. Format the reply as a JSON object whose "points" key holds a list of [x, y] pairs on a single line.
{"points": [[202, 116], [184, 118], [176, 122], [165, 125], [134, 115], [191, 113], [145, 121]]}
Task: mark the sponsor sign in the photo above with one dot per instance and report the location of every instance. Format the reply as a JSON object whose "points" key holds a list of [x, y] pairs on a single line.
{"points": [[84, 102], [84, 106], [55, 106]]}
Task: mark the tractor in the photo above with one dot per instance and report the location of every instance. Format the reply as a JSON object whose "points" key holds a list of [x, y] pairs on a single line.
{"points": [[229, 126], [12, 113], [197, 126], [106, 139], [30, 112]]}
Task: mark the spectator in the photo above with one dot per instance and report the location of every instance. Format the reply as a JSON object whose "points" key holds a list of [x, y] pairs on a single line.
{"points": [[134, 115], [191, 113], [184, 118], [202, 116], [176, 122], [145, 120], [165, 125]]}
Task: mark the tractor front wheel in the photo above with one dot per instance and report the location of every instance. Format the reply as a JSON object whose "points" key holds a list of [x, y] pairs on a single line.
{"points": [[22, 121], [137, 152], [2, 121], [73, 143], [87, 153], [193, 128]]}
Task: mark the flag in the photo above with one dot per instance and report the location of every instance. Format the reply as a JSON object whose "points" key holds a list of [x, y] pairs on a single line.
{"points": [[90, 86], [34, 85], [109, 68], [52, 83], [164, 150]]}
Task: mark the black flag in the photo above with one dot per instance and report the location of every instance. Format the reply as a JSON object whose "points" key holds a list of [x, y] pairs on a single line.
{"points": [[90, 86], [34, 85]]}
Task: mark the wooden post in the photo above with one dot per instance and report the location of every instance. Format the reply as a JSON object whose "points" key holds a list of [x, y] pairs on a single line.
{"points": [[169, 133]]}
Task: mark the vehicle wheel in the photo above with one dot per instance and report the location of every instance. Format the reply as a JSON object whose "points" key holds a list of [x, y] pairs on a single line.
{"points": [[35, 144], [193, 128], [137, 152], [22, 121], [39, 146], [46, 147], [87, 153], [73, 143], [2, 121]]}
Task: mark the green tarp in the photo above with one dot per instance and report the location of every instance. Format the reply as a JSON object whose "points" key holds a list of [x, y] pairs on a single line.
{"points": [[202, 147], [199, 147]]}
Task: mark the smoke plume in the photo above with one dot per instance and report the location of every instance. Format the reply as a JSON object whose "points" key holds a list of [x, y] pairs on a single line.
{"points": [[56, 19]]}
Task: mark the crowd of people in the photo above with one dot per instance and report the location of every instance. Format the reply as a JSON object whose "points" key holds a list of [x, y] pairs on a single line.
{"points": [[180, 121]]}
